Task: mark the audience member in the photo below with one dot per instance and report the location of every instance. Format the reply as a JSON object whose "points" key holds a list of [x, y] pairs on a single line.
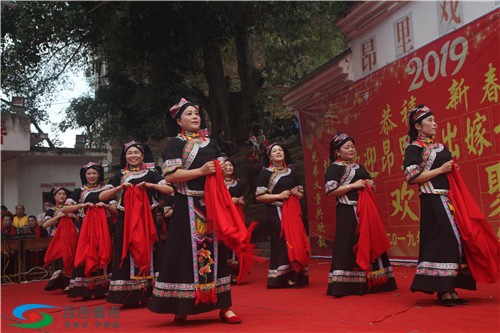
{"points": [[20, 219], [34, 228], [5, 211], [8, 229], [41, 216]]}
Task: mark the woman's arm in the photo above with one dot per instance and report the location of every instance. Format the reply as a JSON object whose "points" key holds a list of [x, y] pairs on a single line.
{"points": [[165, 189], [428, 175], [72, 208], [107, 195], [182, 175], [268, 198], [343, 189]]}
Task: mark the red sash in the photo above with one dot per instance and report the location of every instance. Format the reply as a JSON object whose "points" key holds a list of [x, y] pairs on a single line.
{"points": [[94, 244], [479, 241], [372, 241], [297, 244], [63, 245], [225, 219], [139, 232]]}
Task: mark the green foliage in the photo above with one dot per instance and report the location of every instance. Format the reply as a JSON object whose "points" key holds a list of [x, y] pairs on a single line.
{"points": [[236, 59]]}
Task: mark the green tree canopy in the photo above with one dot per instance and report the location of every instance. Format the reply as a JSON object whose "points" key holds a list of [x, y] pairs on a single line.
{"points": [[235, 59]]}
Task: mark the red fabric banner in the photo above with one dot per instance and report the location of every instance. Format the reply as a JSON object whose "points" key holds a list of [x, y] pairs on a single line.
{"points": [[457, 77]]}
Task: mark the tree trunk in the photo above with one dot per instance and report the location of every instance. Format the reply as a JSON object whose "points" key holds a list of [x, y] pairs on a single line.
{"points": [[218, 90]]}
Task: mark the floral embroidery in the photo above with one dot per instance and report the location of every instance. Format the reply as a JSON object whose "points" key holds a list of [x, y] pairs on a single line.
{"points": [[205, 260]]}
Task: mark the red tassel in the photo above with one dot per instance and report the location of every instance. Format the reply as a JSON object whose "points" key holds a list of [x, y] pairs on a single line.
{"points": [[205, 296]]}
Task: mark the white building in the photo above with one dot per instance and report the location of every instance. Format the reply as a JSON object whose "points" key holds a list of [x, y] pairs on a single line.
{"points": [[28, 171]]}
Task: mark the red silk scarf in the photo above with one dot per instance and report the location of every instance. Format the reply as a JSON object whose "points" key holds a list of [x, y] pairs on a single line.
{"points": [[94, 244], [372, 242], [63, 245], [139, 232], [479, 241], [297, 244], [227, 222]]}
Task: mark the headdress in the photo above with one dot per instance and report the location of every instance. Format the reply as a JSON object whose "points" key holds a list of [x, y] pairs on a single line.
{"points": [[176, 111], [337, 142], [148, 160], [266, 159], [419, 113], [96, 167]]}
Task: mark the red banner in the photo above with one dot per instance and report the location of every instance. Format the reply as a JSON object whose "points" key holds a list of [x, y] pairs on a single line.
{"points": [[457, 77]]}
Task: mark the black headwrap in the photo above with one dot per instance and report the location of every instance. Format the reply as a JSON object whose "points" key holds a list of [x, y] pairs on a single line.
{"points": [[266, 160], [337, 142], [96, 167], [175, 113], [419, 113], [54, 190], [148, 160]]}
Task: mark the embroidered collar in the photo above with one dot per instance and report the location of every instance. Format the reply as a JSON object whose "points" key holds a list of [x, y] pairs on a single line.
{"points": [[188, 135], [135, 168], [424, 141], [345, 163]]}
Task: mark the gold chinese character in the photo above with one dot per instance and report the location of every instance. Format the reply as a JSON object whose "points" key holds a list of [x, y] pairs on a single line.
{"points": [[321, 242], [317, 186], [493, 172], [317, 197], [314, 157], [402, 196], [411, 239], [321, 228], [448, 136], [457, 91], [388, 158], [475, 139], [407, 107], [387, 124], [491, 87], [315, 170], [319, 213], [370, 159]]}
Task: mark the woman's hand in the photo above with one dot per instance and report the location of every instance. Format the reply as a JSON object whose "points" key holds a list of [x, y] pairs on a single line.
{"points": [[144, 185], [100, 204], [86, 205], [125, 185], [446, 167], [360, 183], [295, 191], [241, 201], [208, 168], [59, 213], [284, 195]]}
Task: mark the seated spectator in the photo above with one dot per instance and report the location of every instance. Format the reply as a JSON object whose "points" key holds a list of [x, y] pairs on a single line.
{"points": [[41, 216], [35, 229], [8, 229], [20, 219], [5, 211]]}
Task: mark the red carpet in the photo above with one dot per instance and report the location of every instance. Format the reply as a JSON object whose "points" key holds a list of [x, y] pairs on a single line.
{"points": [[263, 310]]}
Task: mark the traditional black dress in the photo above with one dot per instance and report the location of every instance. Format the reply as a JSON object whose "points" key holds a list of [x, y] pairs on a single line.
{"points": [[280, 273], [97, 284], [124, 286], [194, 270], [441, 264], [58, 280], [346, 277], [236, 190]]}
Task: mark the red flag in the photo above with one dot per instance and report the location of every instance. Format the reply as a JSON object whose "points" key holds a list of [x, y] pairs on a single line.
{"points": [[139, 232], [297, 244], [94, 244], [63, 244], [479, 241]]}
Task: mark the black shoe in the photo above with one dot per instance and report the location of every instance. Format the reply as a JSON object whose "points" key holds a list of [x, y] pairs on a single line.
{"points": [[449, 302], [457, 300]]}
